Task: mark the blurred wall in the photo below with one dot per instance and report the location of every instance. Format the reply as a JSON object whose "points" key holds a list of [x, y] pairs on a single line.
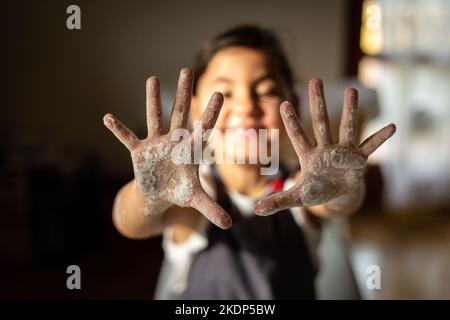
{"points": [[59, 83]]}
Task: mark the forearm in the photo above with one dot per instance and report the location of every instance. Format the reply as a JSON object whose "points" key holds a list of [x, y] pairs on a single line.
{"points": [[343, 205]]}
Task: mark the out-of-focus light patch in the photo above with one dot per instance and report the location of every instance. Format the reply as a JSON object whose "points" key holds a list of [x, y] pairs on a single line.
{"points": [[371, 39], [369, 71]]}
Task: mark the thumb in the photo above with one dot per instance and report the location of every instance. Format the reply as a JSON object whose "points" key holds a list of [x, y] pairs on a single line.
{"points": [[211, 210]]}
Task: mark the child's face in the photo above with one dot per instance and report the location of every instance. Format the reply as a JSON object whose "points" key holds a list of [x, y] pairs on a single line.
{"points": [[252, 96]]}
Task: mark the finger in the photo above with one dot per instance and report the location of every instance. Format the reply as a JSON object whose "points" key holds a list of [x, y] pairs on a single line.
{"points": [[278, 201], [154, 108], [209, 116], [377, 139], [125, 135], [294, 129], [182, 104], [347, 127], [319, 115], [211, 210]]}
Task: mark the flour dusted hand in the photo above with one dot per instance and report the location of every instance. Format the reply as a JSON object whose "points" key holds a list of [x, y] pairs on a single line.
{"points": [[159, 179], [328, 169]]}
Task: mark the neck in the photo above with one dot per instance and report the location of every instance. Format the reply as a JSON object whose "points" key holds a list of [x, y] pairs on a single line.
{"points": [[243, 178]]}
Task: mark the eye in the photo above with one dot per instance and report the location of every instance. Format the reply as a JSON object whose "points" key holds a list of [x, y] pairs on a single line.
{"points": [[226, 94], [267, 89], [268, 93]]}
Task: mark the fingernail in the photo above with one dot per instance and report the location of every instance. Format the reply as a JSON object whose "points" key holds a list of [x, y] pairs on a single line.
{"points": [[186, 72], [259, 210], [285, 107], [108, 120], [316, 84], [226, 222]]}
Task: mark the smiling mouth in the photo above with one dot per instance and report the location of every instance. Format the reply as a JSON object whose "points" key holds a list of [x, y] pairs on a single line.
{"points": [[244, 127]]}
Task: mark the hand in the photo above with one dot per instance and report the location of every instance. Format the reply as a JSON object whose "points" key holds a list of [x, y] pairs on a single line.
{"points": [[328, 169], [158, 178]]}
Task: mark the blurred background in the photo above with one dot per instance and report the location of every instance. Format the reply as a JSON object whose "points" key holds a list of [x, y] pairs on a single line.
{"points": [[60, 168]]}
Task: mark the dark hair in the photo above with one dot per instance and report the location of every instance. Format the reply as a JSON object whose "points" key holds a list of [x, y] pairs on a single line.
{"points": [[253, 37]]}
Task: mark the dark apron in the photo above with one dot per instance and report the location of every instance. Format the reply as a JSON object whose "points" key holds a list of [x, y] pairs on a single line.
{"points": [[257, 258]]}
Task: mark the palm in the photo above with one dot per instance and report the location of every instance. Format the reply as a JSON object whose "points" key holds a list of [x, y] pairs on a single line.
{"points": [[329, 169], [158, 177], [330, 172]]}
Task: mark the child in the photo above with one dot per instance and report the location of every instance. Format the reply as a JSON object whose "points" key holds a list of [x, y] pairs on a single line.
{"points": [[242, 77]]}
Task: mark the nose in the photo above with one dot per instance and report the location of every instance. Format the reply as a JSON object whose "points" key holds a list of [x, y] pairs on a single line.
{"points": [[246, 105]]}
